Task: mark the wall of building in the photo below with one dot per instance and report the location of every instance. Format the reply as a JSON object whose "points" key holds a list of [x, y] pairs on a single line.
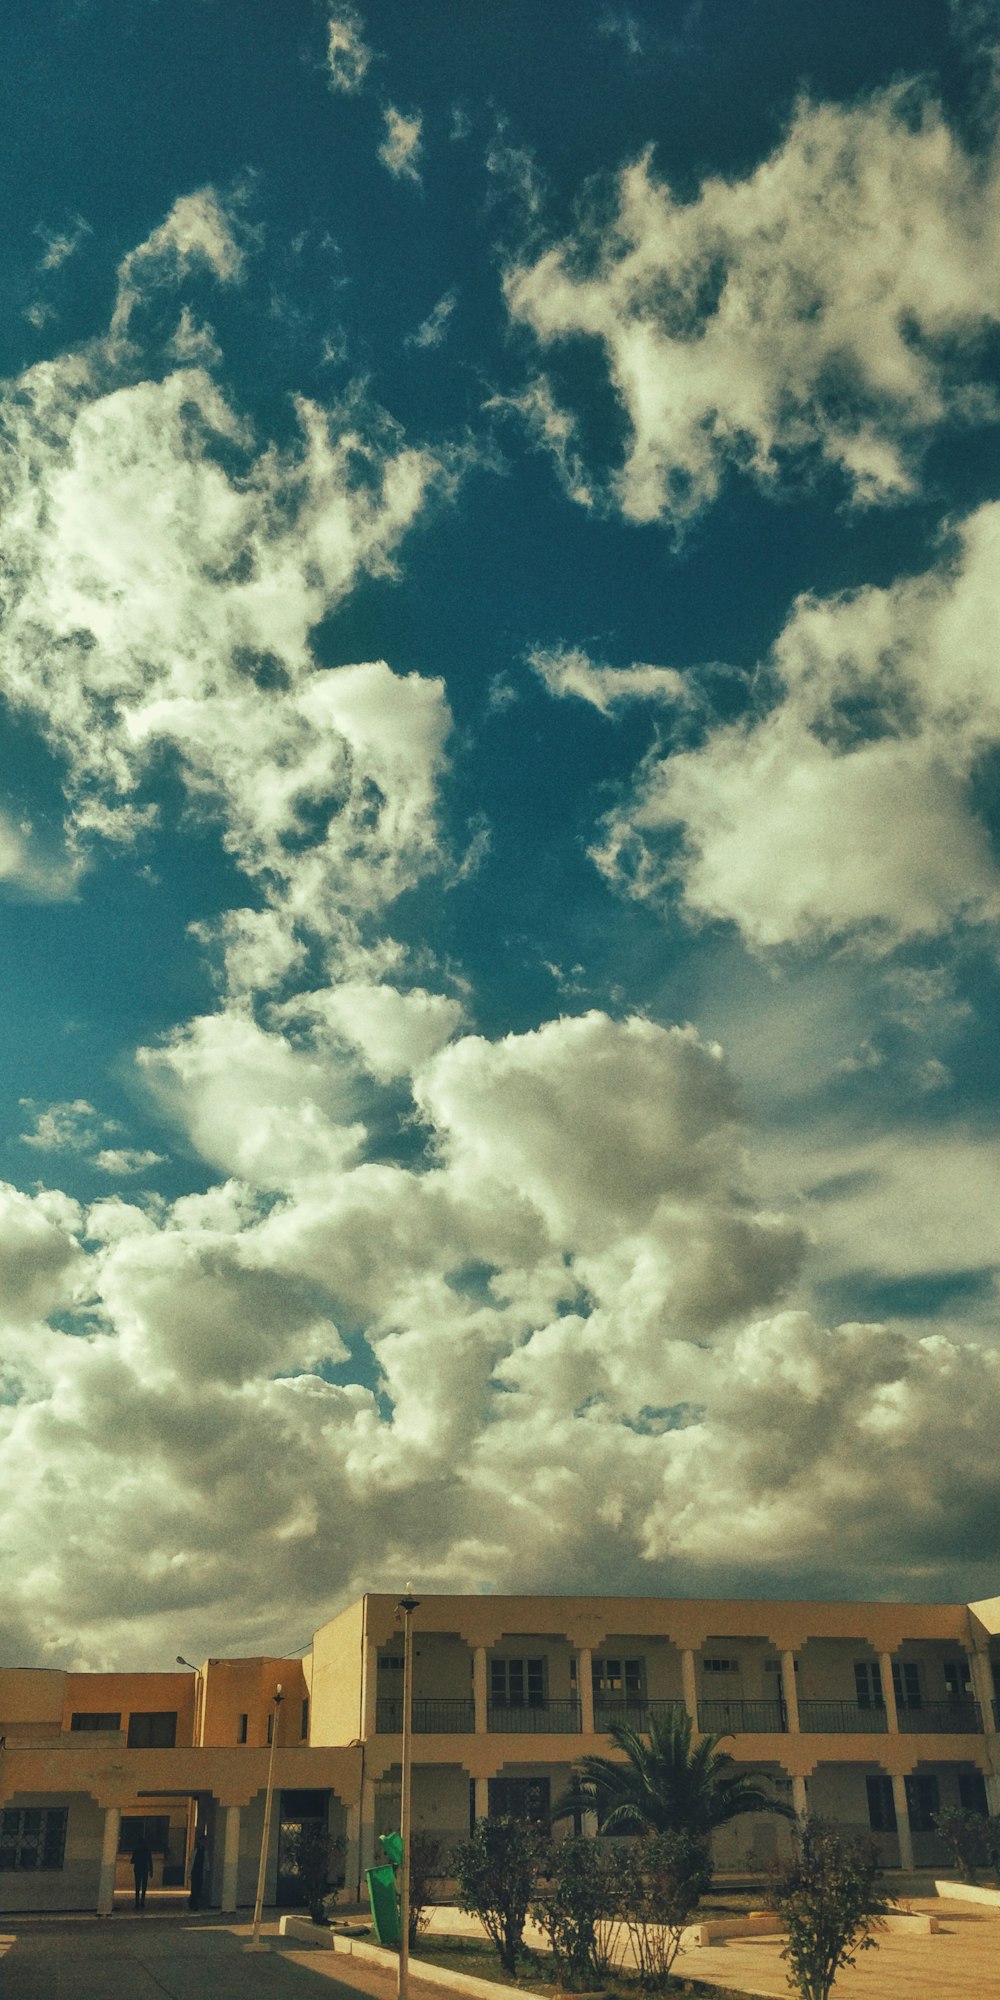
{"points": [[72, 1887], [335, 1678]]}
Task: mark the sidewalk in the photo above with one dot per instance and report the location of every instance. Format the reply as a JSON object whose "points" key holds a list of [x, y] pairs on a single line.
{"points": [[961, 1961]]}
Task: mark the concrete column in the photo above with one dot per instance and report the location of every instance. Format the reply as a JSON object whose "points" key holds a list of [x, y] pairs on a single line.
{"points": [[889, 1693], [992, 1792], [690, 1685], [366, 1836], [790, 1692], [902, 1822], [982, 1689], [482, 1798], [109, 1859], [369, 1689], [352, 1855], [800, 1800], [479, 1689], [230, 1857], [585, 1688]]}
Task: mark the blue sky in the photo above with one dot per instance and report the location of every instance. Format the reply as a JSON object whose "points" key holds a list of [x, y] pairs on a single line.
{"points": [[499, 819]]}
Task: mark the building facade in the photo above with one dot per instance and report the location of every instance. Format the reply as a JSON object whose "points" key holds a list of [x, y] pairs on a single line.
{"points": [[873, 1716]]}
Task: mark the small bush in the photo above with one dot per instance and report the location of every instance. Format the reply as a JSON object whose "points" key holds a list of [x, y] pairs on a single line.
{"points": [[574, 1897], [656, 1885], [318, 1858], [829, 1898], [966, 1836], [426, 1873], [496, 1872]]}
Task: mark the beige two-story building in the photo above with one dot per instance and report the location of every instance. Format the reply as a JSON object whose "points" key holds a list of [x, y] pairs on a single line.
{"points": [[873, 1716]]}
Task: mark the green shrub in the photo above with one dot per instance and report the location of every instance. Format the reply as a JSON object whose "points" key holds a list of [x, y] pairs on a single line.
{"points": [[829, 1897], [655, 1887], [966, 1836], [573, 1898], [496, 1872]]}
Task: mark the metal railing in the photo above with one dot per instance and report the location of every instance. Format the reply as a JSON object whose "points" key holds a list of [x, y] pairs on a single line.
{"points": [[430, 1718], [543, 1718], [742, 1718], [634, 1712], [940, 1718], [75, 1739], [841, 1718]]}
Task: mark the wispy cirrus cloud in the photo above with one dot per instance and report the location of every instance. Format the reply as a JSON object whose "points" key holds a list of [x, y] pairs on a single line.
{"points": [[434, 329], [570, 671], [76, 1127], [61, 244], [347, 53], [403, 143]]}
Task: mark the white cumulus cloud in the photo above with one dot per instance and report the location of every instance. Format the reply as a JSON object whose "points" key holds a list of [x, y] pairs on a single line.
{"points": [[819, 307], [848, 808]]}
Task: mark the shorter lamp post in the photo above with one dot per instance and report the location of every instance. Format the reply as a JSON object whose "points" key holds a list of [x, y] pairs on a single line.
{"points": [[265, 1835], [407, 1606]]}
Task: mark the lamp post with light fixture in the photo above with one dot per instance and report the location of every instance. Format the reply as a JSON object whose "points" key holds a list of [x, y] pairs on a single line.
{"points": [[407, 1606], [198, 1732], [265, 1834]]}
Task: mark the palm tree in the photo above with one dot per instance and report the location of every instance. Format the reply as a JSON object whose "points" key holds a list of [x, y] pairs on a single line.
{"points": [[665, 1785]]}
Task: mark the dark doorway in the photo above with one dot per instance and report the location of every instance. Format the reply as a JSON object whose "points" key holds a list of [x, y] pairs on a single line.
{"points": [[300, 1812]]}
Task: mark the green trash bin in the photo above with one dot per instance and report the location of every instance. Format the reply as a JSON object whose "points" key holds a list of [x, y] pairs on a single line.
{"points": [[384, 1904]]}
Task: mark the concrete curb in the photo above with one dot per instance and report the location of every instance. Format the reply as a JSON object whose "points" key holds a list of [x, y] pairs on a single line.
{"points": [[969, 1892], [300, 1930]]}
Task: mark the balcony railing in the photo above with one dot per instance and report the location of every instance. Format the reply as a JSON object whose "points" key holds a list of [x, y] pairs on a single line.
{"points": [[634, 1713], [840, 1718], [430, 1718], [741, 1718], [543, 1718], [940, 1718]]}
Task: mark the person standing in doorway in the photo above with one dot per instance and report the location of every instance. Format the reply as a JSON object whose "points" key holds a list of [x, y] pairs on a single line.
{"points": [[142, 1868], [198, 1872]]}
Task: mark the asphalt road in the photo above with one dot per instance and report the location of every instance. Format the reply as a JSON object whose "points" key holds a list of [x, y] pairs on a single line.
{"points": [[172, 1958]]}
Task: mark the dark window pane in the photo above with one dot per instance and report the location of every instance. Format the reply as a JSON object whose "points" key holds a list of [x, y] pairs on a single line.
{"points": [[152, 1730]]}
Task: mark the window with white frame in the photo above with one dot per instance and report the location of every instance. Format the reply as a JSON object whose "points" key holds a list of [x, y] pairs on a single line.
{"points": [[618, 1677], [957, 1679], [32, 1837], [516, 1683], [906, 1683], [717, 1666], [868, 1684]]}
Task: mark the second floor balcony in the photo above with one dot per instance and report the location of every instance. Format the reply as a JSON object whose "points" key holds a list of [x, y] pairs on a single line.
{"points": [[841, 1718], [940, 1718], [742, 1718], [633, 1711], [430, 1717], [534, 1718]]}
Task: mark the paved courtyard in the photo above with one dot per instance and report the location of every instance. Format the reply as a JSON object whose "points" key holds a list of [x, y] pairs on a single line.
{"points": [[207, 1958], [172, 1958]]}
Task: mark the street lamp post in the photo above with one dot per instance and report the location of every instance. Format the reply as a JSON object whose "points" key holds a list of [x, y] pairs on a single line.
{"points": [[408, 1606], [265, 1835]]}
